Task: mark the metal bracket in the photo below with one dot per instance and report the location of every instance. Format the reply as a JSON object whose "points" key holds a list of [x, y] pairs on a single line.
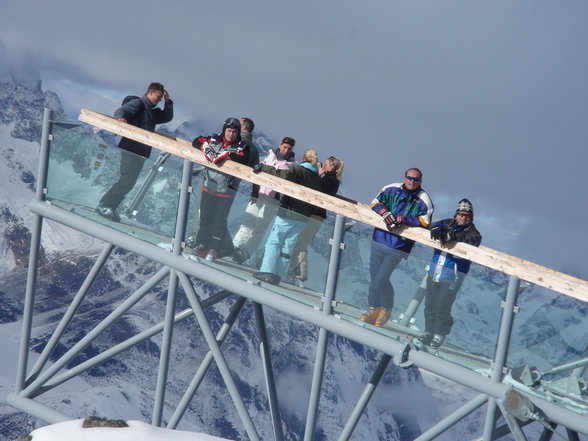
{"points": [[401, 357], [341, 244], [515, 308]]}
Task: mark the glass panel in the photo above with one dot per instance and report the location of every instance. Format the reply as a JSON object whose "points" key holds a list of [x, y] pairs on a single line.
{"points": [[83, 167], [549, 347], [475, 312], [237, 228]]}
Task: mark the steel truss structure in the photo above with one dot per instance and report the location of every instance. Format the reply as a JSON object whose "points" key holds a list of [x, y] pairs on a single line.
{"points": [[502, 396]]}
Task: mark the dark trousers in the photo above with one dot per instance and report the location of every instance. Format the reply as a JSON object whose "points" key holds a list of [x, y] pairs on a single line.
{"points": [[438, 302], [213, 232], [382, 263], [130, 168]]}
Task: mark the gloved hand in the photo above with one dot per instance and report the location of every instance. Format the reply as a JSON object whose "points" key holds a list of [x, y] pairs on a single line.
{"points": [[257, 168], [388, 218], [400, 219], [436, 232], [449, 236], [212, 155]]}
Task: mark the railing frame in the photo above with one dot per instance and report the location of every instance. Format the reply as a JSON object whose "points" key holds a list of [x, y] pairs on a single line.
{"points": [[41, 378]]}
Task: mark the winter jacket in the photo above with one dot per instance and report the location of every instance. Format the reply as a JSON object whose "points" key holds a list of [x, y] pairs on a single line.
{"points": [[416, 207], [279, 162], [303, 174], [446, 266], [253, 152], [215, 181], [142, 113], [329, 185]]}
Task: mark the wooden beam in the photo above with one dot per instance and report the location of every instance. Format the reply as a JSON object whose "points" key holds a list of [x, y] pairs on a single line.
{"points": [[482, 255]]}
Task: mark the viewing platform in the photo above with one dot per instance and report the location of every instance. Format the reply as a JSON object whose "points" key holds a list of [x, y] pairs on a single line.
{"points": [[502, 344]]}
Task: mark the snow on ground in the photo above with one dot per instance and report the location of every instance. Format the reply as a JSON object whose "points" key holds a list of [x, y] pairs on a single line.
{"points": [[137, 431]]}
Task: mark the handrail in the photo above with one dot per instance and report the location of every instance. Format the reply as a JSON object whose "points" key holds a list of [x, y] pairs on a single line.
{"points": [[525, 270]]}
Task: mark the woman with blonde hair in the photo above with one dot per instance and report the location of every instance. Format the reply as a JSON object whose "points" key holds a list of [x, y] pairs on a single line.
{"points": [[291, 219], [331, 172]]}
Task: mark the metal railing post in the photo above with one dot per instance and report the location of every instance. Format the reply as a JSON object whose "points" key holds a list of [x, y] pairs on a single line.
{"points": [[502, 345], [330, 289], [27, 316], [268, 372], [172, 293]]}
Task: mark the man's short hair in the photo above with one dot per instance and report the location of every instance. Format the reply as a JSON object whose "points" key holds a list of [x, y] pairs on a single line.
{"points": [[416, 170], [248, 123], [155, 86]]}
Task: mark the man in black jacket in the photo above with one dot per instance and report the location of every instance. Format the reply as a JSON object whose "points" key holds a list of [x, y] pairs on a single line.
{"points": [[140, 112]]}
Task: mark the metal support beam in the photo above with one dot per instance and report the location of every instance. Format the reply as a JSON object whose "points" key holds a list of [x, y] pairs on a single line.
{"points": [[70, 313], [172, 293], [27, 316], [365, 398], [219, 358], [413, 305], [323, 338], [453, 418], [502, 345], [205, 365], [34, 388], [268, 372]]}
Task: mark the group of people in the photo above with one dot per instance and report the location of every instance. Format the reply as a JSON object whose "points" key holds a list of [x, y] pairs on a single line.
{"points": [[294, 222], [407, 203]]}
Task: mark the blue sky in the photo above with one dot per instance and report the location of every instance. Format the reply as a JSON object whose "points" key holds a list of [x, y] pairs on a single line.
{"points": [[489, 99]]}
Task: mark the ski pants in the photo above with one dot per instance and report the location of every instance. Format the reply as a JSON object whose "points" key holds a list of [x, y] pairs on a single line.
{"points": [[130, 168], [213, 232], [280, 244], [438, 303]]}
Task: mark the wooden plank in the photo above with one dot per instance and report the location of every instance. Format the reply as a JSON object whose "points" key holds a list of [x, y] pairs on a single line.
{"points": [[485, 256]]}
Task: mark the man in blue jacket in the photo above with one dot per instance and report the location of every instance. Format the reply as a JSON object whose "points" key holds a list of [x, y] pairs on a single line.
{"points": [[406, 203], [446, 272], [141, 112]]}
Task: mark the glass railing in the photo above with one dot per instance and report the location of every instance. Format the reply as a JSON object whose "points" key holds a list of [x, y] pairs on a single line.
{"points": [[237, 228], [83, 167], [549, 345], [549, 337], [475, 313]]}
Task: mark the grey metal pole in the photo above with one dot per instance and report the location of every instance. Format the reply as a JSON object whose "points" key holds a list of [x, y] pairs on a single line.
{"points": [[205, 365], [142, 336], [321, 352], [414, 304], [71, 311], [32, 388], [365, 397], [170, 309], [453, 418], [268, 373], [219, 358], [27, 316], [504, 334]]}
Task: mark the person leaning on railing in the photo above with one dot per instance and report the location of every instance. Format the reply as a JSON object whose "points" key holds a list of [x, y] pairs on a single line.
{"points": [[407, 204], [263, 206], [447, 272], [218, 191], [291, 219], [331, 172], [140, 112]]}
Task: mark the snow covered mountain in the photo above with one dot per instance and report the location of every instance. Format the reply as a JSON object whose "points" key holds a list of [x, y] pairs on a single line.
{"points": [[403, 406]]}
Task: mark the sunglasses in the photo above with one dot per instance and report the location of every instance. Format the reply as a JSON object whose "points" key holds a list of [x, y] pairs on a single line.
{"points": [[412, 178]]}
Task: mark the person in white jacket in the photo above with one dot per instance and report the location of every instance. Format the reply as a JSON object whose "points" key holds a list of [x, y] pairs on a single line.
{"points": [[263, 206]]}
